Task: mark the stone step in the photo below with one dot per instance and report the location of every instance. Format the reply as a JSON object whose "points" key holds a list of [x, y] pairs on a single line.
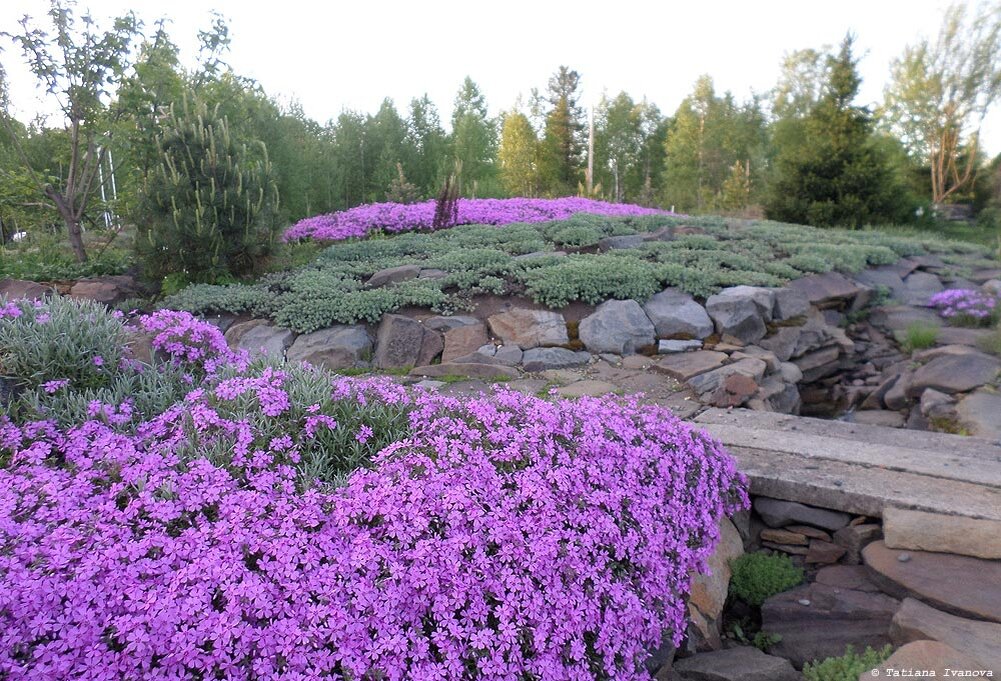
{"points": [[916, 621]]}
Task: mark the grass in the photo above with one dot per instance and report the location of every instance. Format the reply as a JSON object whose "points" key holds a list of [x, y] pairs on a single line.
{"points": [[919, 336], [992, 343]]}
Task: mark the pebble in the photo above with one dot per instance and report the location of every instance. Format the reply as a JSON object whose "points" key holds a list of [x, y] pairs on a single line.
{"points": [[804, 601], [904, 557]]}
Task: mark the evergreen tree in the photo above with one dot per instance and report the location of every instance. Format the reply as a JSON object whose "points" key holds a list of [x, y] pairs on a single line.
{"points": [[474, 140], [562, 145], [517, 153], [426, 147], [837, 176]]}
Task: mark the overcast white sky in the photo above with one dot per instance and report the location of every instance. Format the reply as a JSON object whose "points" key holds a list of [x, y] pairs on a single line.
{"points": [[336, 55]]}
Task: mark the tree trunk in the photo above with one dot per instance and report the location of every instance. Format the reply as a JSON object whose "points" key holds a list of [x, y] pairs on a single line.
{"points": [[72, 224]]}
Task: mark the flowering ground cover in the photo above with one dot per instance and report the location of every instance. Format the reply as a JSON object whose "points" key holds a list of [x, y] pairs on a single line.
{"points": [[966, 307], [277, 521], [402, 217]]}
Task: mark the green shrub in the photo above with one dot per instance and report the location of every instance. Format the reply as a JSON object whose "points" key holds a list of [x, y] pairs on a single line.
{"points": [[919, 336], [591, 279], [757, 576], [992, 343], [848, 667]]}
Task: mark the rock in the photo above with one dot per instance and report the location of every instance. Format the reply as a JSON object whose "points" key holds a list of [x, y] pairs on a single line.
{"points": [[824, 552], [807, 531], [784, 537], [463, 340], [443, 324], [337, 347], [829, 287], [486, 372], [402, 341], [921, 531], [979, 413], [535, 255], [957, 335], [790, 372], [109, 289], [709, 590], [915, 621], [854, 538], [676, 314], [618, 326], [682, 367], [779, 513], [963, 586], [819, 363], [879, 417], [955, 373], [919, 287], [897, 395], [930, 657], [540, 359], [789, 304], [766, 356], [612, 243], [509, 355], [18, 289], [586, 388], [735, 664], [854, 577], [432, 273], [992, 287], [741, 311], [900, 317], [937, 405], [393, 275], [888, 277], [835, 618], [635, 362], [258, 337], [711, 381], [792, 549], [668, 347], [529, 328]]}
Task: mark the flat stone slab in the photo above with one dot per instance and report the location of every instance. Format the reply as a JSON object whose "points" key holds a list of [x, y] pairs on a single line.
{"points": [[921, 531], [958, 335], [684, 366], [587, 388], [899, 317], [960, 585], [735, 664], [825, 287], [930, 657], [915, 621], [955, 373], [467, 369], [980, 412]]}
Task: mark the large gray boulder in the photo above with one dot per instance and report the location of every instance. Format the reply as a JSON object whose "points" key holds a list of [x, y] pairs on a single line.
{"points": [[338, 347], [955, 373], [17, 289], [403, 341], [540, 359], [675, 313], [789, 304], [617, 326], [743, 663], [980, 412], [919, 287], [393, 275], [742, 311], [258, 338], [529, 328]]}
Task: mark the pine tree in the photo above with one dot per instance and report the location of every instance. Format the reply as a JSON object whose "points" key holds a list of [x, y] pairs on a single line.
{"points": [[474, 139], [518, 149], [562, 146]]}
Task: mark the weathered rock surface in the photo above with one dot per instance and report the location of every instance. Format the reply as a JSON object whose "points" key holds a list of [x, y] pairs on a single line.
{"points": [[393, 275], [789, 304], [919, 287], [939, 405], [741, 312], [915, 621], [675, 313], [854, 577], [529, 328], [463, 340], [879, 417], [337, 347], [921, 531], [825, 288], [854, 538], [735, 664], [930, 657], [824, 552], [470, 370], [17, 289], [258, 337], [109, 289], [443, 324], [402, 341], [586, 388], [955, 373], [711, 381], [964, 586], [540, 359], [708, 592], [669, 347], [779, 513], [682, 367], [618, 326], [980, 413], [817, 621]]}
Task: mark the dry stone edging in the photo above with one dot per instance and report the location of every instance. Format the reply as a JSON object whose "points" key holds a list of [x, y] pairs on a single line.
{"points": [[735, 664], [617, 326], [336, 347], [916, 621]]}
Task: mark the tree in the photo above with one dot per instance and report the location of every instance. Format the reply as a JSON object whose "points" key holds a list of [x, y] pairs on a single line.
{"points": [[474, 139], [940, 93], [517, 153], [618, 142], [208, 208], [838, 175], [80, 69], [425, 147], [561, 149]]}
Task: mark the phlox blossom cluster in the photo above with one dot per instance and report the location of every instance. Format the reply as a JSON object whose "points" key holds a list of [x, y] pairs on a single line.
{"points": [[969, 303], [401, 217]]}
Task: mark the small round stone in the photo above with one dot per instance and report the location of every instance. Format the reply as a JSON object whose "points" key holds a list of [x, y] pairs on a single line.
{"points": [[904, 557], [804, 601]]}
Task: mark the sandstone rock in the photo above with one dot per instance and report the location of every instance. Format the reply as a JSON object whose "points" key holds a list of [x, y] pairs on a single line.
{"points": [[854, 538], [779, 513], [790, 372], [675, 313], [885, 276], [393, 275], [529, 328], [586, 388], [829, 287], [735, 664], [337, 347], [471, 370], [807, 531], [710, 381], [937, 405], [899, 317], [509, 355], [402, 341], [915, 621], [444, 324], [823, 552], [108, 289], [992, 287], [919, 287], [957, 335], [819, 363], [955, 373], [768, 357], [921, 531], [792, 549], [964, 586], [619, 326], [897, 397], [668, 347], [784, 537], [708, 592], [612, 243], [740, 311], [817, 621], [930, 657], [682, 367], [980, 413], [463, 340], [18, 289], [789, 304], [635, 362], [540, 359], [258, 337], [879, 417], [854, 577]]}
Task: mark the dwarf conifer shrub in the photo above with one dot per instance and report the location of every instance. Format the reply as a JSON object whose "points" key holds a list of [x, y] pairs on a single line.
{"points": [[848, 667], [755, 577]]}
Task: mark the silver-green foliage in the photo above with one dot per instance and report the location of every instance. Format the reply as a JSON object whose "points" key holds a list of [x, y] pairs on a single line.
{"points": [[848, 667]]}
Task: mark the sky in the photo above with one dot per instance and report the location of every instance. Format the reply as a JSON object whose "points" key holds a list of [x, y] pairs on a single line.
{"points": [[331, 56]]}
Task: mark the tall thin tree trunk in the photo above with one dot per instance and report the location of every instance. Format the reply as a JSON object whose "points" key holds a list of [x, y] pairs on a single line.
{"points": [[73, 229]]}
